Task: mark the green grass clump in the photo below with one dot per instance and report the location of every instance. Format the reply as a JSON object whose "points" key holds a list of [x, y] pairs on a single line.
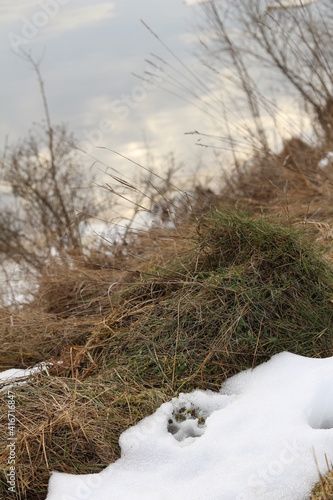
{"points": [[249, 289]]}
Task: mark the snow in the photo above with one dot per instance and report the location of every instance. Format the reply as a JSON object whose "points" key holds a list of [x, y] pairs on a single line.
{"points": [[326, 161], [18, 376], [258, 438]]}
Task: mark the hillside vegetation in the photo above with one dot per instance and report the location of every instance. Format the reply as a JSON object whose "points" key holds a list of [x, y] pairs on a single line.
{"points": [[170, 311], [221, 283]]}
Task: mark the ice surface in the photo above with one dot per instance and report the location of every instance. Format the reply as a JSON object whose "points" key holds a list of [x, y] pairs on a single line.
{"points": [[256, 439]]}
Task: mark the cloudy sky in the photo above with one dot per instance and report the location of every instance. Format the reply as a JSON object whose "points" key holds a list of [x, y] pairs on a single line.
{"points": [[89, 52]]}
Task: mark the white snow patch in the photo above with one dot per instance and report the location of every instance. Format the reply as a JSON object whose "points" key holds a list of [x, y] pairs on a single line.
{"points": [[256, 439], [324, 162], [18, 376]]}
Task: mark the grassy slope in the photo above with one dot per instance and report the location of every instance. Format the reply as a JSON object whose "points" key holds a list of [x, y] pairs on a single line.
{"points": [[187, 308], [241, 289]]}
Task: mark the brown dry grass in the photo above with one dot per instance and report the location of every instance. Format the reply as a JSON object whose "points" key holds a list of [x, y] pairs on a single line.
{"points": [[29, 336], [324, 488], [288, 187], [66, 425], [133, 328]]}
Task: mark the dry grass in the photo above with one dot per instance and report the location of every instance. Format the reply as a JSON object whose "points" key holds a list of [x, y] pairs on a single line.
{"points": [[324, 488], [71, 426], [29, 336], [288, 187], [72, 298], [230, 294], [289, 181], [169, 311]]}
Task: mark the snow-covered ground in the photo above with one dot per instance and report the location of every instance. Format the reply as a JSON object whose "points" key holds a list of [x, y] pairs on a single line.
{"points": [[258, 438]]}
